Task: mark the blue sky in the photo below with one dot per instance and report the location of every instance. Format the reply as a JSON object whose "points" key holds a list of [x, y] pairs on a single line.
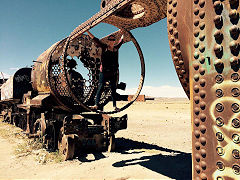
{"points": [[29, 27]]}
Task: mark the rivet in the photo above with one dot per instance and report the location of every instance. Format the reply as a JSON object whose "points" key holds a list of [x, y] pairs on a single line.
{"points": [[218, 20], [202, 71], [203, 164], [197, 145], [218, 7], [202, 94], [203, 176], [196, 55], [196, 33], [236, 169], [234, 32], [234, 4], [196, 1], [196, 44], [218, 36], [196, 110], [203, 153], [178, 68], [171, 30], [236, 154], [234, 15], [219, 121], [197, 157], [196, 11], [197, 168], [172, 40], [218, 63], [202, 117], [202, 3], [235, 108], [174, 4], [196, 122], [235, 77], [203, 129], [178, 53], [181, 62], [234, 46], [203, 141], [196, 77], [220, 166], [196, 66], [170, 2], [219, 79], [170, 10], [175, 33], [218, 49], [202, 60], [202, 49], [174, 49], [183, 71], [234, 61], [202, 14], [202, 26], [196, 22], [175, 58], [219, 107], [196, 99], [235, 92], [220, 151], [202, 105], [175, 23], [219, 136], [219, 93], [236, 138], [197, 133], [174, 13], [202, 37]]}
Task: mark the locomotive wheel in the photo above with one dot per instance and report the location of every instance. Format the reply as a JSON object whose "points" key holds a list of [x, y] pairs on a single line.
{"points": [[67, 147], [112, 144]]}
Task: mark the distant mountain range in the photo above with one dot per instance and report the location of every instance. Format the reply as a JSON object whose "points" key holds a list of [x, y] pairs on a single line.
{"points": [[6, 76]]}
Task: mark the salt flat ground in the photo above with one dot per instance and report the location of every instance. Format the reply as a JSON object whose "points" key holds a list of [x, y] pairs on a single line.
{"points": [[156, 145]]}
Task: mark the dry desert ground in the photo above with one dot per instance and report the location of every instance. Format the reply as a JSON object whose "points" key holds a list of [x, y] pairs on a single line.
{"points": [[156, 145]]}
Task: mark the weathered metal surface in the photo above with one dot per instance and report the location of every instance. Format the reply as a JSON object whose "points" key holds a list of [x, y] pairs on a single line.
{"points": [[17, 85], [214, 75]]}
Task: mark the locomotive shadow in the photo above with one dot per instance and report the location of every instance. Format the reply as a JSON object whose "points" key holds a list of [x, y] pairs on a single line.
{"points": [[176, 165]]}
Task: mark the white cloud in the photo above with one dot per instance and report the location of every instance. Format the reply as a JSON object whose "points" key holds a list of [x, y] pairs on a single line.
{"points": [[162, 91], [14, 68]]}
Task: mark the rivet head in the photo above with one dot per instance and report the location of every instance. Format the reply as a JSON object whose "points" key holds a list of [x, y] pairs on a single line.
{"points": [[196, 1], [202, 71], [196, 11], [174, 4], [218, 20], [203, 176], [196, 44], [219, 93], [202, 117], [234, 32], [171, 30], [174, 13], [203, 152], [236, 138], [234, 4], [196, 110], [218, 7], [203, 129], [202, 94], [220, 166], [196, 122], [170, 10], [175, 33], [234, 61], [175, 23], [220, 151], [236, 169], [236, 154], [196, 66], [196, 33], [202, 14], [218, 49], [236, 123], [202, 3], [198, 169], [234, 47], [235, 92], [197, 145], [220, 136], [202, 105], [219, 107], [219, 78], [234, 15], [196, 22], [197, 157], [180, 62], [219, 121], [196, 77], [235, 108], [235, 77], [202, 60], [202, 37], [178, 68], [203, 141], [218, 36], [218, 63], [202, 26], [196, 99], [203, 164], [202, 49], [175, 58]]}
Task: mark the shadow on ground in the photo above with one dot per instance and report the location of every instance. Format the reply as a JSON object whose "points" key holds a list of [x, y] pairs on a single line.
{"points": [[176, 165]]}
